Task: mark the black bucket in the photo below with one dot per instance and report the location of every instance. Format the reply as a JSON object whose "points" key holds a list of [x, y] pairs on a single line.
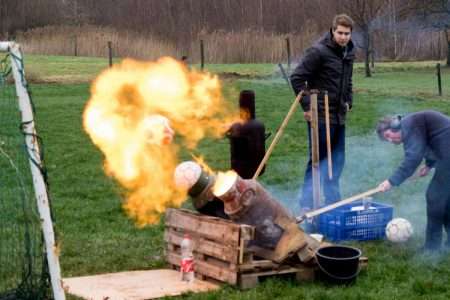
{"points": [[338, 264]]}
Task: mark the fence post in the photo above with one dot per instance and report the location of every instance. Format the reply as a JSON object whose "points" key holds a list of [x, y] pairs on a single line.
{"points": [[202, 55], [438, 73], [75, 46], [288, 48], [110, 53]]}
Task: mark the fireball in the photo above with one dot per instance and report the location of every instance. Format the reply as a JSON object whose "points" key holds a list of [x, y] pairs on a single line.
{"points": [[140, 114]]}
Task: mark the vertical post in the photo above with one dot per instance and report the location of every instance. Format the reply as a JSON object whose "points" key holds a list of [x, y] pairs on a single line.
{"points": [[202, 55], [372, 57], [438, 73], [327, 125], [110, 53], [34, 153], [75, 46], [288, 48], [315, 149]]}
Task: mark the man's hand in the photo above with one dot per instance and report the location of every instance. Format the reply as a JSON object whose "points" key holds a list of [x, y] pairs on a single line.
{"points": [[348, 107], [385, 186], [423, 171], [307, 115]]}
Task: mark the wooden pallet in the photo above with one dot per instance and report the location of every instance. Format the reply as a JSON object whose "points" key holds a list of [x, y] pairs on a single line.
{"points": [[221, 251]]}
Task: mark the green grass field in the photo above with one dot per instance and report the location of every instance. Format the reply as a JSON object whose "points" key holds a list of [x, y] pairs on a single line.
{"points": [[96, 237]]}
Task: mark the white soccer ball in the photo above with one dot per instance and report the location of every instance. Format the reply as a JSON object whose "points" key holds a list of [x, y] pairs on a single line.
{"points": [[187, 174], [399, 230]]}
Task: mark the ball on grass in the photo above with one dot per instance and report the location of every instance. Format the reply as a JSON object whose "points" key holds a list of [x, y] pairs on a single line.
{"points": [[399, 230]]}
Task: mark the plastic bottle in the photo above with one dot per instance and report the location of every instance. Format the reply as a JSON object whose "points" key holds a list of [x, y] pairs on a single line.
{"points": [[187, 259]]}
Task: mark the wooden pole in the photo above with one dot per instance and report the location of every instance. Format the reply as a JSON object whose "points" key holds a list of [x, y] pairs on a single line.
{"points": [[75, 46], [315, 149], [297, 100], [202, 55], [438, 73], [110, 53], [324, 209], [288, 48], [327, 125]]}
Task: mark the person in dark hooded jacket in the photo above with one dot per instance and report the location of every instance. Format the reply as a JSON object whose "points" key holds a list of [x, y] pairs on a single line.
{"points": [[425, 135], [327, 66]]}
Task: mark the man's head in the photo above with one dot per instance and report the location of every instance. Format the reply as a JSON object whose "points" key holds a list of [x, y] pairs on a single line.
{"points": [[389, 129], [342, 29]]}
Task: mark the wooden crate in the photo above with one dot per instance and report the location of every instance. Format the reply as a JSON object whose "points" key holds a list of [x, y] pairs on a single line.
{"points": [[221, 252]]}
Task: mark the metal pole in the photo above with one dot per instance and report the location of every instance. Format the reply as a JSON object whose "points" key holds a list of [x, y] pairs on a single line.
{"points": [[40, 188], [202, 55], [283, 72], [327, 125], [75, 46], [288, 48], [438, 73], [110, 54]]}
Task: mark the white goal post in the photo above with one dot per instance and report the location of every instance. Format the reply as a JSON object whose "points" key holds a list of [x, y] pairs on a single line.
{"points": [[32, 145]]}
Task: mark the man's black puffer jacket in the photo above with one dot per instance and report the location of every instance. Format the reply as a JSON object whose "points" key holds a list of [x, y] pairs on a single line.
{"points": [[327, 66]]}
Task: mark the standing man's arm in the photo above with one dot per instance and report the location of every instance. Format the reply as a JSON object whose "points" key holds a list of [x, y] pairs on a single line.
{"points": [[305, 72]]}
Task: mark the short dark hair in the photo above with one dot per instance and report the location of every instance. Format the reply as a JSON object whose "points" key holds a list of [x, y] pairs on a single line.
{"points": [[343, 20], [383, 125]]}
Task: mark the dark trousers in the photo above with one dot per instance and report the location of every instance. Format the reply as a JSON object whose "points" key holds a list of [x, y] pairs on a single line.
{"points": [[438, 206], [330, 188]]}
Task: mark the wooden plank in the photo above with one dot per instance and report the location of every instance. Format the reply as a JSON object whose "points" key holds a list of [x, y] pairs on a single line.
{"points": [[251, 280], [257, 265], [215, 229], [207, 269], [135, 285], [363, 262], [220, 251], [247, 233], [248, 282], [306, 274]]}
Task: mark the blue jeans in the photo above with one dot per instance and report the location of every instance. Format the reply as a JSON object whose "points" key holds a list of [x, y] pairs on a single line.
{"points": [[330, 188]]}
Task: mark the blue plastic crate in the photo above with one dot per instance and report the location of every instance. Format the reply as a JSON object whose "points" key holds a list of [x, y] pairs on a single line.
{"points": [[350, 222]]}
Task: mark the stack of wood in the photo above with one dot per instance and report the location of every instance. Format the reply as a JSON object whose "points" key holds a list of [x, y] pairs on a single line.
{"points": [[223, 251]]}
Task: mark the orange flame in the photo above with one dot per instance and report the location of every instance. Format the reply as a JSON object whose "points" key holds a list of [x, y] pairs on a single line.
{"points": [[201, 161], [132, 114]]}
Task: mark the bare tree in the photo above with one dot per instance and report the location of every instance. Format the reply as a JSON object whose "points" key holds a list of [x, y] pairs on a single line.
{"points": [[16, 15], [364, 14], [434, 15]]}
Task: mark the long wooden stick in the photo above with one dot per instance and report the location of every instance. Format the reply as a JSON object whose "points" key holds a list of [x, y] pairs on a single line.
{"points": [[278, 135], [315, 156], [337, 204], [327, 126]]}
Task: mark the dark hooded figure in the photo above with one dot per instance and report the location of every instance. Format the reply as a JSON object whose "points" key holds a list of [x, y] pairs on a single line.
{"points": [[247, 138], [425, 136], [327, 66]]}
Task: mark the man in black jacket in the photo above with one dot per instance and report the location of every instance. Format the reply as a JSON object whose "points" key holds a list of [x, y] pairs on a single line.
{"points": [[327, 66], [425, 135]]}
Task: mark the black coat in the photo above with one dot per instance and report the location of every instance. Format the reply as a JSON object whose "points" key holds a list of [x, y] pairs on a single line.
{"points": [[425, 135], [327, 66]]}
